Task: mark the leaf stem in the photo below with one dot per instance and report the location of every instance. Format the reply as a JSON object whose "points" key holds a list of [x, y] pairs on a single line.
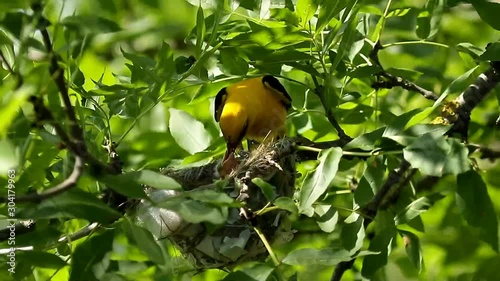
{"points": [[372, 153], [414, 43], [267, 245]]}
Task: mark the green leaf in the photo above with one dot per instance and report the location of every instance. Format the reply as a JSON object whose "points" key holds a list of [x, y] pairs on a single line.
{"points": [[188, 132], [315, 183], [194, 211], [211, 196], [267, 189], [237, 276], [488, 10], [71, 204], [89, 253], [327, 11], [144, 240], [305, 10], [419, 117], [470, 49], [417, 207], [41, 259], [428, 19], [398, 12], [364, 71], [328, 217], [259, 271], [126, 184], [371, 181], [492, 52], [232, 62], [347, 39], [423, 24], [183, 64], [165, 66], [435, 155], [200, 30], [366, 141], [352, 233], [90, 24], [458, 85], [256, 272], [10, 104], [476, 206], [286, 203], [153, 179], [384, 235], [397, 126], [413, 249], [325, 257], [8, 158], [6, 5]]}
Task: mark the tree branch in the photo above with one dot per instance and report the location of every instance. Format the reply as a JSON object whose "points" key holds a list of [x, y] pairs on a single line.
{"points": [[19, 228], [83, 232], [469, 99], [390, 81], [398, 178], [319, 91], [382, 199], [67, 184]]}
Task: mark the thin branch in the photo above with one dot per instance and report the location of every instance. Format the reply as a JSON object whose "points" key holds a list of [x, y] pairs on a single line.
{"points": [[67, 184], [340, 268], [11, 70], [4, 60], [83, 232], [319, 91], [58, 75], [390, 81], [19, 228], [399, 177]]}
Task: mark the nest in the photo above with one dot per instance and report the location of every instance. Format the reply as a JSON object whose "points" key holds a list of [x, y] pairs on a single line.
{"points": [[236, 240]]}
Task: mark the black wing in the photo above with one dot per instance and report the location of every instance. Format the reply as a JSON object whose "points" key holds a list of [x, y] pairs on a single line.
{"points": [[220, 100], [274, 84]]}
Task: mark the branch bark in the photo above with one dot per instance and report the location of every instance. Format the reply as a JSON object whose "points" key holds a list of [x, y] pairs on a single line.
{"points": [[389, 81], [398, 178]]}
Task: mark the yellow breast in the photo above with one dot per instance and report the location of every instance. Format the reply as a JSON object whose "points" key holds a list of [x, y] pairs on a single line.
{"points": [[253, 111]]}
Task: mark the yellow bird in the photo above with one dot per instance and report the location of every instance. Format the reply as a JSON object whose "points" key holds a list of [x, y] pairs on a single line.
{"points": [[255, 109]]}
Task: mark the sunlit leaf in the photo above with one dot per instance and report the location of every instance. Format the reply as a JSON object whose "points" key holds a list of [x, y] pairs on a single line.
{"points": [[267, 189], [316, 182], [328, 217], [188, 132], [417, 207], [306, 10], [8, 159], [352, 233]]}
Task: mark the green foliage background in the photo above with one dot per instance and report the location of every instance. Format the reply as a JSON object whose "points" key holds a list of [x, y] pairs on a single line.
{"points": [[145, 73]]}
